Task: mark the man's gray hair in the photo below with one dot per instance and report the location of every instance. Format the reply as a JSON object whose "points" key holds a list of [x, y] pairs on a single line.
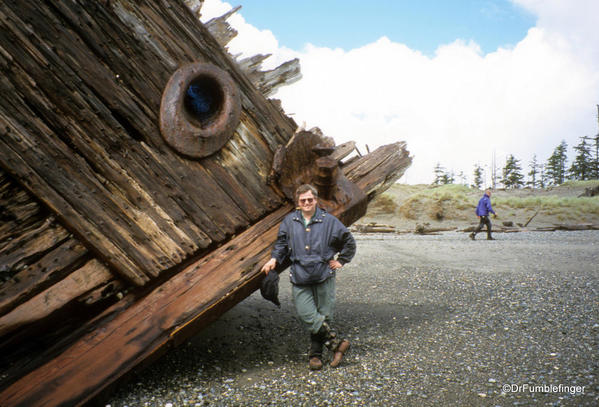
{"points": [[302, 189]]}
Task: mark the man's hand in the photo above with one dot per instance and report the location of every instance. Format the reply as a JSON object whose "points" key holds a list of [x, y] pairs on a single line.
{"points": [[334, 264], [271, 264]]}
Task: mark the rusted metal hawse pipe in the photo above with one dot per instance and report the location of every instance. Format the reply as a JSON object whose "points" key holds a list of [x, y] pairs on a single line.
{"points": [[200, 109]]}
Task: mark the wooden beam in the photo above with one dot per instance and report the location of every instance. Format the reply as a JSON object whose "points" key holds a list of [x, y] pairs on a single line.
{"points": [[285, 74], [221, 29], [374, 173], [343, 150], [149, 324], [38, 275], [76, 284]]}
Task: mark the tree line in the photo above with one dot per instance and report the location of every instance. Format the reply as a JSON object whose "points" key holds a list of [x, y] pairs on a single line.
{"points": [[554, 171]]}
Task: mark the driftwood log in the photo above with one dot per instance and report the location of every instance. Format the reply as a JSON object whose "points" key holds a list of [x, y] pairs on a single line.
{"points": [[590, 192], [552, 228], [115, 242], [428, 230], [374, 228]]}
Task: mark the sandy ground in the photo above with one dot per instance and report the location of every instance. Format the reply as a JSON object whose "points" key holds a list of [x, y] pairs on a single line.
{"points": [[433, 320]]}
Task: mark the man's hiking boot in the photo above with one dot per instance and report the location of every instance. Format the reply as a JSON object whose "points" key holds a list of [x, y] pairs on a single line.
{"points": [[330, 339], [315, 363], [472, 235], [339, 352]]}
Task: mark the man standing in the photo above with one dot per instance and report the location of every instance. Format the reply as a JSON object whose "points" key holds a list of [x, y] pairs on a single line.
{"points": [[482, 211], [310, 238]]}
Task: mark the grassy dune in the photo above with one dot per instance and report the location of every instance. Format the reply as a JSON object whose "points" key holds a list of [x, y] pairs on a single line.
{"points": [[453, 205]]}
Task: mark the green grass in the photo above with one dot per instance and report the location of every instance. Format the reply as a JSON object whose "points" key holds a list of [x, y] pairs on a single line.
{"points": [[447, 191], [585, 184], [438, 202], [547, 203], [384, 204], [519, 203], [458, 201]]}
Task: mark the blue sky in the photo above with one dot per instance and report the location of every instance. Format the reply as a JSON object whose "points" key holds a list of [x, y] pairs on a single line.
{"points": [[462, 82], [422, 25]]}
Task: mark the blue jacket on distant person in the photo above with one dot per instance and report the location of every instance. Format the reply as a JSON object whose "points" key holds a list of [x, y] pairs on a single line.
{"points": [[484, 206]]}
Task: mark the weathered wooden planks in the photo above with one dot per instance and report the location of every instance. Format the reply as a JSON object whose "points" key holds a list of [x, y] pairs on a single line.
{"points": [[35, 250], [149, 324], [37, 259], [220, 28], [265, 81], [19, 213], [53, 265], [171, 313], [141, 328], [84, 280], [374, 173], [79, 130]]}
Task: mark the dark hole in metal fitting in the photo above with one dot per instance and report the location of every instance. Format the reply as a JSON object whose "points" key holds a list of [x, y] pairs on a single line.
{"points": [[203, 100], [200, 109]]}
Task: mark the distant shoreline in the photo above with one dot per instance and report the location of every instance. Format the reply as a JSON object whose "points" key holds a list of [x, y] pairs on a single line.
{"points": [[430, 208]]}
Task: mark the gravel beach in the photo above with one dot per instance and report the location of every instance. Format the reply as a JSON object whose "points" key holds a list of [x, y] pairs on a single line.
{"points": [[433, 320]]}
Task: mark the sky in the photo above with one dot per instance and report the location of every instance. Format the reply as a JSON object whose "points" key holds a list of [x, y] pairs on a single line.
{"points": [[463, 82]]}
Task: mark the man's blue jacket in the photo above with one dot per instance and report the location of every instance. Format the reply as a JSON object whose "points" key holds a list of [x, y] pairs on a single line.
{"points": [[310, 247], [484, 206]]}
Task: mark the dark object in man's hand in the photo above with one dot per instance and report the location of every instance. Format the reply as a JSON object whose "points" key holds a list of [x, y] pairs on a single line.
{"points": [[270, 287]]}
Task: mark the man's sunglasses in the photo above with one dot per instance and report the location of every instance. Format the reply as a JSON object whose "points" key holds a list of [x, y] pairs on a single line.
{"points": [[306, 200]]}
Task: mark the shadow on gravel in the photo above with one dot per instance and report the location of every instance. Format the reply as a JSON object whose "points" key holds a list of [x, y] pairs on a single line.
{"points": [[430, 322], [256, 335]]}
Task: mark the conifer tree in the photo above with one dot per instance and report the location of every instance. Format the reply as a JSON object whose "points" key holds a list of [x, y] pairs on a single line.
{"points": [[448, 178], [582, 167], [478, 177], [439, 173], [512, 176], [443, 177], [556, 165], [595, 166]]}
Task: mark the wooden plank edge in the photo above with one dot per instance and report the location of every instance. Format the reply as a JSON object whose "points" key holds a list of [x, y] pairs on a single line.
{"points": [[58, 381]]}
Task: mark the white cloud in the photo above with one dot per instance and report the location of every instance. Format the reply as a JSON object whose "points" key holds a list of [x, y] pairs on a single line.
{"points": [[250, 41], [459, 106], [571, 23]]}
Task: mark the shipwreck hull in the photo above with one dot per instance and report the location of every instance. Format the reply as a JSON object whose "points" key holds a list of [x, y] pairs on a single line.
{"points": [[132, 217]]}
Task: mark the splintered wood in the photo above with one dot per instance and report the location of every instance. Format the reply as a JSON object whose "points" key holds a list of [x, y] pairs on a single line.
{"points": [[115, 244]]}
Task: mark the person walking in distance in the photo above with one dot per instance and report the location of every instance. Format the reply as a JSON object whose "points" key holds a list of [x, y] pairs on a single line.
{"points": [[483, 210], [311, 238]]}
